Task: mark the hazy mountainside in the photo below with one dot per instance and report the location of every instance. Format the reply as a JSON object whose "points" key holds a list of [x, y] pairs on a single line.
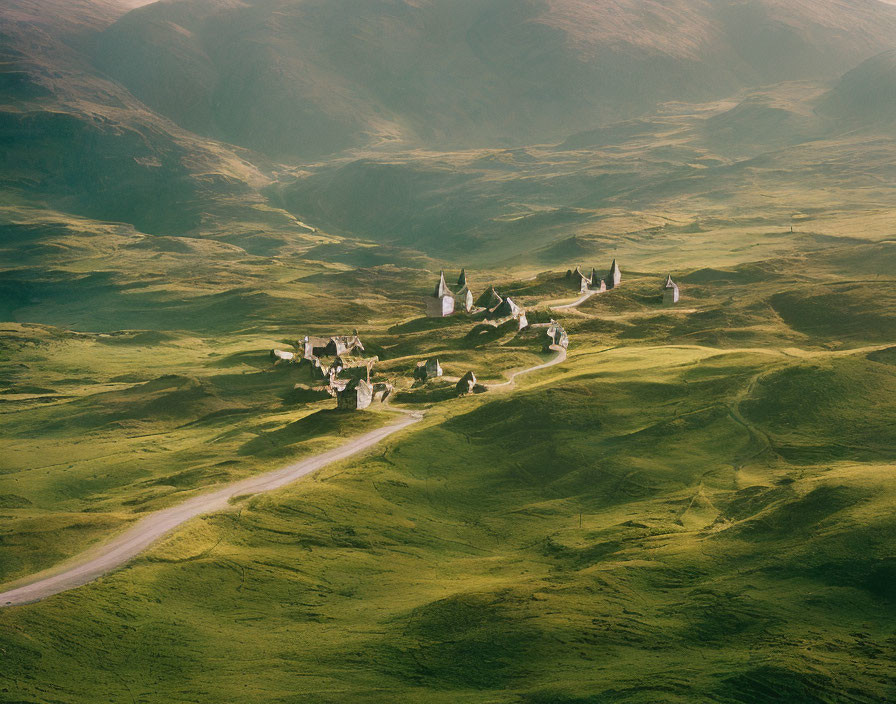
{"points": [[75, 141], [657, 185], [116, 115], [306, 78], [866, 95]]}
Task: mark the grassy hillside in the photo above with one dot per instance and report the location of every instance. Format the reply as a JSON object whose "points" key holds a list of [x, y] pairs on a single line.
{"points": [[646, 530], [695, 505], [702, 490]]}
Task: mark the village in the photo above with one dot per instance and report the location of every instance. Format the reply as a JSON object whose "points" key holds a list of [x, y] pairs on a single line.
{"points": [[339, 364]]}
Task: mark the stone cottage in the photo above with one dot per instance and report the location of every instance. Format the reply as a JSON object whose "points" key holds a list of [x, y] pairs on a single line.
{"points": [[463, 299], [509, 309], [430, 369], [670, 292], [355, 395], [614, 277], [441, 303], [466, 384], [334, 346], [557, 336], [580, 281], [597, 283], [347, 367], [490, 299]]}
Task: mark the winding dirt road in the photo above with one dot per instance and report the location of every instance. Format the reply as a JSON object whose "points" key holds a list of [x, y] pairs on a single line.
{"points": [[576, 303], [102, 559], [561, 357], [106, 557]]}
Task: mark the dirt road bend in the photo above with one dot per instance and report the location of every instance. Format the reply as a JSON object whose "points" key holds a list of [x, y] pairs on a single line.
{"points": [[560, 357], [576, 303], [116, 552]]}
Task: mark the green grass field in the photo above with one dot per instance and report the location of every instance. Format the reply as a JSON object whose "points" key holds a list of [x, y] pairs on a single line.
{"points": [[694, 506]]}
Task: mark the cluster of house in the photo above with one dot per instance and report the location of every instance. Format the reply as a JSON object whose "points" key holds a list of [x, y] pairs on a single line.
{"points": [[340, 361], [489, 306], [594, 282]]}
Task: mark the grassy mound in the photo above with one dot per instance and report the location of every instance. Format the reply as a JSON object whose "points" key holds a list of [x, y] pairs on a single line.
{"points": [[848, 312], [819, 412]]}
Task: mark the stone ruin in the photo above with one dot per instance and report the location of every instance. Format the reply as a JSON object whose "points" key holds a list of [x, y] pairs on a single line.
{"points": [[430, 369], [467, 384], [336, 361], [444, 301], [671, 292], [358, 394], [595, 282], [557, 336]]}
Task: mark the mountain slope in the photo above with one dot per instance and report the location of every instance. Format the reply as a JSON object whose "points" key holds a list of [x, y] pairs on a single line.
{"points": [[305, 78], [73, 140], [866, 95]]}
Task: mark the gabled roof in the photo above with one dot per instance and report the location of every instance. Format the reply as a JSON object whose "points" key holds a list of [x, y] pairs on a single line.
{"points": [[578, 272], [669, 282], [507, 308], [348, 340], [354, 384], [489, 299], [442, 287], [462, 279]]}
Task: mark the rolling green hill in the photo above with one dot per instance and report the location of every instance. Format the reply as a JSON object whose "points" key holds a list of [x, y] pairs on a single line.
{"points": [[695, 505], [702, 489]]}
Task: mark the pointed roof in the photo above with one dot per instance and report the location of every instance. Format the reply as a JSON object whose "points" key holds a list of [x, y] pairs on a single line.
{"points": [[354, 384], [507, 308], [442, 287], [466, 383], [464, 296], [468, 380], [614, 267], [669, 282], [489, 299], [462, 279]]}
